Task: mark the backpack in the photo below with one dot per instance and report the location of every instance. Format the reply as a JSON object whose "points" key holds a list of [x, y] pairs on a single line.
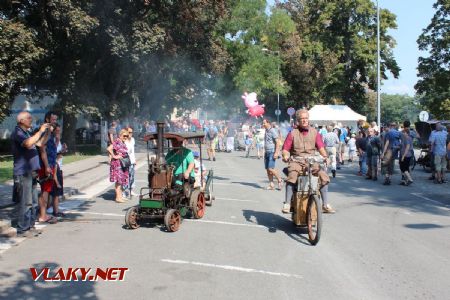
{"points": [[212, 133]]}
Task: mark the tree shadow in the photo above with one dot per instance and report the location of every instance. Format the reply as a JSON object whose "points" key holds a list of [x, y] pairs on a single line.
{"points": [[275, 223], [252, 184], [375, 193], [424, 226], [24, 287]]}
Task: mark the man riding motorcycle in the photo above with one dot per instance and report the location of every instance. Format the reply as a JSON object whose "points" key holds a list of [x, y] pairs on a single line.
{"points": [[302, 142]]}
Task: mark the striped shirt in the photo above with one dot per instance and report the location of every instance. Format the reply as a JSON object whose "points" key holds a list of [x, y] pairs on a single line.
{"points": [[330, 139]]}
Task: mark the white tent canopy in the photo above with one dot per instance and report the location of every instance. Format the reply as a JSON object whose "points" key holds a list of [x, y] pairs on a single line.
{"points": [[325, 114]]}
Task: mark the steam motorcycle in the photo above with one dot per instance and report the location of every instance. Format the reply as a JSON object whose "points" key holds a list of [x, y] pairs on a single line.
{"points": [[306, 203]]}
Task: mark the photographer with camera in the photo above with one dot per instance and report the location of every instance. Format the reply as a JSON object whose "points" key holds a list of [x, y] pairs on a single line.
{"points": [[26, 163], [47, 173]]}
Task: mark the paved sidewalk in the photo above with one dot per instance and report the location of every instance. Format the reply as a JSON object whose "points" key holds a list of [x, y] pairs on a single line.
{"points": [[77, 176]]}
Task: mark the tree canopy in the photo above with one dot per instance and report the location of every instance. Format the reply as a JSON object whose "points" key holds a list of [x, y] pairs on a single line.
{"points": [[119, 58], [434, 70]]}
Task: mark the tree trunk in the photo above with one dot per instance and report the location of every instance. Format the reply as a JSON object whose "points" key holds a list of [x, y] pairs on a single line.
{"points": [[69, 127]]}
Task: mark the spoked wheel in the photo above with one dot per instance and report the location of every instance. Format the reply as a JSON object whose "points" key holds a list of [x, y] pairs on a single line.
{"points": [[412, 163], [314, 219], [132, 218], [198, 204], [172, 220]]}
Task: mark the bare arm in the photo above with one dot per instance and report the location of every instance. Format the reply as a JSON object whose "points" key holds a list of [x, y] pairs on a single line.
{"points": [[277, 147], [33, 140], [43, 153], [189, 170], [110, 150], [406, 151]]}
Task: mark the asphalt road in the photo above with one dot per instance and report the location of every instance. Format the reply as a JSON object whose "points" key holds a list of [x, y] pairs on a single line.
{"points": [[383, 243]]}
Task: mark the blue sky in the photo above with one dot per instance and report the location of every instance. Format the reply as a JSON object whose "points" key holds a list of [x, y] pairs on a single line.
{"points": [[412, 17]]}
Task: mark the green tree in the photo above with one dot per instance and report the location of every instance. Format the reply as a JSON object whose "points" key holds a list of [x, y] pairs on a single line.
{"points": [[253, 40], [434, 70], [398, 108], [337, 51], [19, 54]]}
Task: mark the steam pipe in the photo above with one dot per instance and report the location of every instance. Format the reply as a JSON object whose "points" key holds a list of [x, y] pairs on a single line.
{"points": [[160, 136]]}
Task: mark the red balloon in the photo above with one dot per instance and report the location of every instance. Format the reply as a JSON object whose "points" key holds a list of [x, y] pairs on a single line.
{"points": [[256, 111]]}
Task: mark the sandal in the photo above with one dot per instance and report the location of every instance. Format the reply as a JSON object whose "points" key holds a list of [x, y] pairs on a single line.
{"points": [[280, 185], [49, 220], [270, 188]]}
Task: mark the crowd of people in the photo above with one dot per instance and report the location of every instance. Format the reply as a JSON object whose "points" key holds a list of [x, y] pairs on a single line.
{"points": [[38, 155]]}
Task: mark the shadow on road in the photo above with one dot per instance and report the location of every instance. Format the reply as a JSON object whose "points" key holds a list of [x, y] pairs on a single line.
{"points": [[376, 194], [252, 184], [25, 288], [425, 226], [276, 223]]}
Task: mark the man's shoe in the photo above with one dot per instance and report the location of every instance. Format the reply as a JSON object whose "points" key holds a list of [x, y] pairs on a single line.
{"points": [[35, 231], [368, 177], [28, 233], [327, 209], [214, 159], [431, 177], [334, 173], [387, 182], [286, 208], [375, 178], [359, 174]]}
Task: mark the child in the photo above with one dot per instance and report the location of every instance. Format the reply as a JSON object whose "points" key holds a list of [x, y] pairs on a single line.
{"points": [[259, 143], [248, 143], [351, 147], [197, 169]]}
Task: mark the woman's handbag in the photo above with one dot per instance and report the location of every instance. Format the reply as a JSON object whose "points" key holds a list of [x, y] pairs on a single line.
{"points": [[125, 162]]}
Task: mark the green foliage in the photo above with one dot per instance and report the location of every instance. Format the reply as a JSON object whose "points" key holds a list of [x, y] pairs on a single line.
{"points": [[398, 108], [120, 58], [337, 47], [19, 53], [434, 87]]}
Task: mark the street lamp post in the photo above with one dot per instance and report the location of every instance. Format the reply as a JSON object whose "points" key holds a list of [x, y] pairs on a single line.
{"points": [[378, 68], [278, 112], [278, 97]]}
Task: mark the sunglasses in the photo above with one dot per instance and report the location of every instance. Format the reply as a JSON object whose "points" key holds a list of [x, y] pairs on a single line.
{"points": [[125, 135], [130, 132]]}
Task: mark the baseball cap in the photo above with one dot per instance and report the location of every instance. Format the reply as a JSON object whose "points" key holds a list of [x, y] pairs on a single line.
{"points": [[196, 154]]}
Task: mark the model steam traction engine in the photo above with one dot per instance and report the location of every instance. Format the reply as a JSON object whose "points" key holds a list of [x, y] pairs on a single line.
{"points": [[167, 197]]}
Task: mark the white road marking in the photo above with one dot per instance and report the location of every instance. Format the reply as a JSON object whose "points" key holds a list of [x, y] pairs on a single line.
{"points": [[224, 223], [428, 199], [231, 268], [187, 220], [239, 200], [94, 213]]}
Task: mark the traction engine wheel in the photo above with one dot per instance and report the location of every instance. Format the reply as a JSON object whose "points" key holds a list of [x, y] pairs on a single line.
{"points": [[172, 220], [198, 207], [132, 218]]}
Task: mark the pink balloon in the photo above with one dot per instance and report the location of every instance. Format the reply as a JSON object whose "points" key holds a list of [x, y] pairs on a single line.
{"points": [[256, 111], [250, 99]]}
